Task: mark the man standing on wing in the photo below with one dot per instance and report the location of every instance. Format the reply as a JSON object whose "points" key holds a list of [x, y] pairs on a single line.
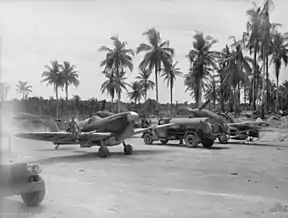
{"points": [[74, 128]]}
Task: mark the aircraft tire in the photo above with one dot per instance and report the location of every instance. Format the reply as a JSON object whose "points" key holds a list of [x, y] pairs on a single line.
{"points": [[148, 138], [164, 141], [128, 149], [103, 151], [34, 199], [207, 143], [191, 140], [223, 139]]}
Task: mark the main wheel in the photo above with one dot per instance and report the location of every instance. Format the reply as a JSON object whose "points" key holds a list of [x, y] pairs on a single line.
{"points": [[191, 140], [128, 149], [223, 139], [164, 141], [56, 147], [148, 138], [103, 151], [34, 199], [207, 143]]}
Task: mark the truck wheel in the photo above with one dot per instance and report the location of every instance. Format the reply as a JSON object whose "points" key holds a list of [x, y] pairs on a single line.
{"points": [[164, 141], [207, 143], [191, 140], [148, 138], [33, 199], [223, 139]]}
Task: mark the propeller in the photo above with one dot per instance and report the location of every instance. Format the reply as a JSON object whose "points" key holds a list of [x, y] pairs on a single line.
{"points": [[204, 105]]}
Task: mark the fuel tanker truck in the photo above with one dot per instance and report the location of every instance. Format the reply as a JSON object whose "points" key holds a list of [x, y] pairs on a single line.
{"points": [[194, 131]]}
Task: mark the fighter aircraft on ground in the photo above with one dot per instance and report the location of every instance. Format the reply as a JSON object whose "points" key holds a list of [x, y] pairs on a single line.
{"points": [[95, 131]]}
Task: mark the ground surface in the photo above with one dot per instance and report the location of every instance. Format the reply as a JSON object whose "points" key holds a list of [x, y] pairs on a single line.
{"points": [[234, 180]]}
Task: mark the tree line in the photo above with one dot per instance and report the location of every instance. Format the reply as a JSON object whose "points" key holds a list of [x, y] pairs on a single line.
{"points": [[241, 68]]}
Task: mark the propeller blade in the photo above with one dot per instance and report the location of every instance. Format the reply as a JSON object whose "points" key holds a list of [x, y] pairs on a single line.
{"points": [[204, 105]]}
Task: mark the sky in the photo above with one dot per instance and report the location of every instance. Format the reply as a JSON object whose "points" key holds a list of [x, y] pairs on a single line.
{"points": [[34, 33]]}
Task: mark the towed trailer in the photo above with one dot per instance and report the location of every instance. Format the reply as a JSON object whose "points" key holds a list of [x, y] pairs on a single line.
{"points": [[192, 130]]}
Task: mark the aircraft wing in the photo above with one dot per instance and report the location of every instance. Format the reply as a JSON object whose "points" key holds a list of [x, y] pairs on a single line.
{"points": [[249, 125], [63, 137], [141, 130]]}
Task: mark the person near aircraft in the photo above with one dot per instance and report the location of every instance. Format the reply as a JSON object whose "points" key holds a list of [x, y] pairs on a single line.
{"points": [[74, 128]]}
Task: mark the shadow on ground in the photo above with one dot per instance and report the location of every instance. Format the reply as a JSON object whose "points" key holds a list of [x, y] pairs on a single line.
{"points": [[16, 208], [88, 156], [260, 144], [199, 147], [63, 148]]}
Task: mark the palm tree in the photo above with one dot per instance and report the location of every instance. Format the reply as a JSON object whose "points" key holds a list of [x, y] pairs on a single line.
{"points": [[158, 55], [253, 44], [211, 90], [202, 64], [147, 84], [24, 89], [279, 55], [109, 84], [266, 30], [136, 93], [54, 77], [117, 60], [169, 75], [70, 75], [237, 71]]}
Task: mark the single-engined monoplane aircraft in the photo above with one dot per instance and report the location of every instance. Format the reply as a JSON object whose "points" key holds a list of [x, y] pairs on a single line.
{"points": [[109, 130]]}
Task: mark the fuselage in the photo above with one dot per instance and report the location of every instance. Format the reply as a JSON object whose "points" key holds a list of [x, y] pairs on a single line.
{"points": [[114, 123]]}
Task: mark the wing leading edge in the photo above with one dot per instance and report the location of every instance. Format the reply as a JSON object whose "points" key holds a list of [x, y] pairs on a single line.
{"points": [[63, 137]]}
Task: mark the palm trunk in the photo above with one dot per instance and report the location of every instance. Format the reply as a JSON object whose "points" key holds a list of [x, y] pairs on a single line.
{"points": [[222, 95], [66, 91], [138, 106], [171, 98], [235, 101], [254, 91], [199, 97], [267, 85], [118, 90], [156, 83], [277, 94], [145, 95], [57, 105]]}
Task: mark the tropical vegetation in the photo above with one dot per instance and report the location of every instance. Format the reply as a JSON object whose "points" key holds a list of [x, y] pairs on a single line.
{"points": [[235, 77]]}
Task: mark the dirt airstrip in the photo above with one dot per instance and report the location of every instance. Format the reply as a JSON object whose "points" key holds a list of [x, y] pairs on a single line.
{"points": [[234, 180]]}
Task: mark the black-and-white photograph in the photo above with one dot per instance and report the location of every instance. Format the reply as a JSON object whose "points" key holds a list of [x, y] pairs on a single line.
{"points": [[137, 109]]}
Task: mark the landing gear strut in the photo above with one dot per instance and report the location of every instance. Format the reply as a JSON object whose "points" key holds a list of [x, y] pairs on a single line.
{"points": [[56, 147], [128, 149]]}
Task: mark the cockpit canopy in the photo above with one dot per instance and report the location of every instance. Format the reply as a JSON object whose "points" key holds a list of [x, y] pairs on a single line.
{"points": [[90, 120]]}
